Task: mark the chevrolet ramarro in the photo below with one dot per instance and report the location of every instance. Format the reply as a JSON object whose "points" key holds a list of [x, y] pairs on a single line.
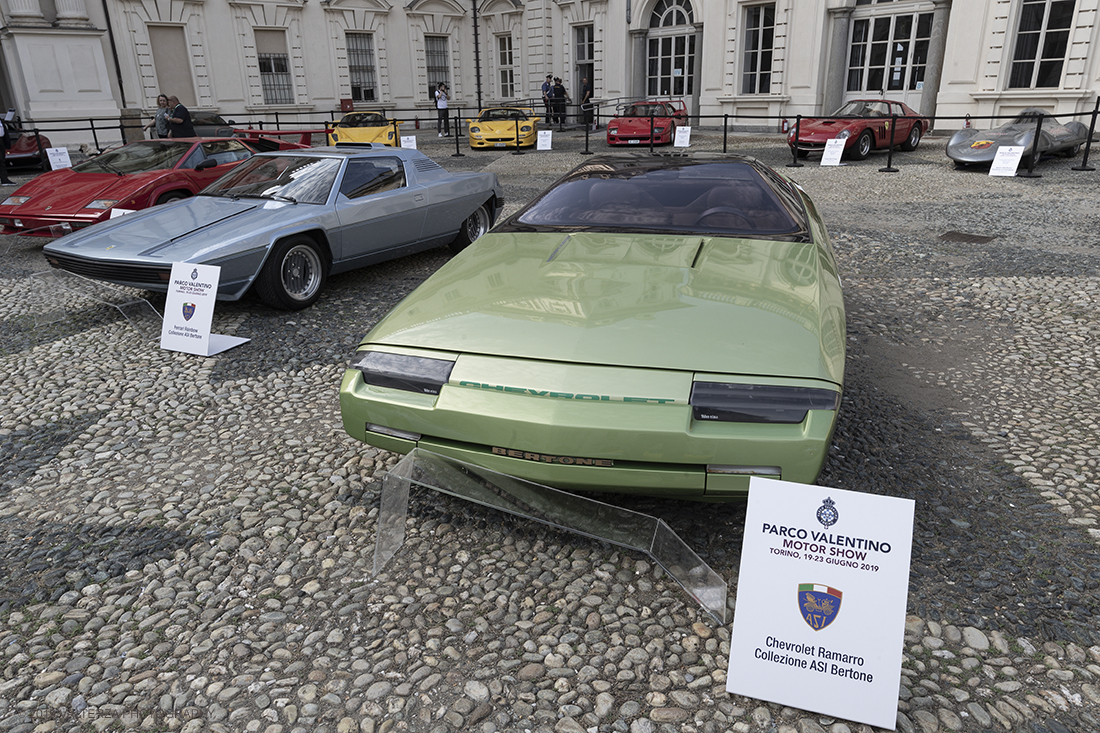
{"points": [[667, 325], [282, 222]]}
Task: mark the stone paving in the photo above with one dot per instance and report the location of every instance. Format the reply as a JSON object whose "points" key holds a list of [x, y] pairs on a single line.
{"points": [[187, 542]]}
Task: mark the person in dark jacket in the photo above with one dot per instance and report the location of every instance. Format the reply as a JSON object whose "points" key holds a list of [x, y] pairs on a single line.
{"points": [[179, 121], [4, 180], [560, 98]]}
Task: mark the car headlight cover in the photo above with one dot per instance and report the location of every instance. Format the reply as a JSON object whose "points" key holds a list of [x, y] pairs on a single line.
{"points": [[843, 134], [724, 402], [475, 130], [15, 200], [401, 371], [525, 128], [102, 204]]}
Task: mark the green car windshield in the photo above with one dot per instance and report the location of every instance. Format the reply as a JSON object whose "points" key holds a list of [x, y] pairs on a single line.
{"points": [[723, 198]]}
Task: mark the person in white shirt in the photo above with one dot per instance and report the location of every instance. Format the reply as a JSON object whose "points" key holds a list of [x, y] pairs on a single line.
{"points": [[443, 125]]}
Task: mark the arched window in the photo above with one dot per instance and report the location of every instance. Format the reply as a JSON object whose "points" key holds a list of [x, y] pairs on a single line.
{"points": [[667, 13]]}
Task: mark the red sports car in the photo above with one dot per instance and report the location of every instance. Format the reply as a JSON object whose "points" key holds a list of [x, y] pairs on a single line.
{"points": [[27, 150], [134, 176], [864, 125], [632, 126]]}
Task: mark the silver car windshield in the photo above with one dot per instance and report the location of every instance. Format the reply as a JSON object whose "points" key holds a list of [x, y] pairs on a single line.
{"points": [[304, 179]]}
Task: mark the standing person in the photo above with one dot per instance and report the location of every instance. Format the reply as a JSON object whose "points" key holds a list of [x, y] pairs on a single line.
{"points": [[4, 180], [586, 102], [546, 87], [559, 99], [443, 124], [179, 119], [159, 123]]}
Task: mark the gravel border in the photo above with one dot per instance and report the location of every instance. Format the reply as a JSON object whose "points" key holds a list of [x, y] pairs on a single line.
{"points": [[186, 542]]}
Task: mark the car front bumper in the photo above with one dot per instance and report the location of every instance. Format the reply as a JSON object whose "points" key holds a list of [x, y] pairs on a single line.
{"points": [[591, 444]]}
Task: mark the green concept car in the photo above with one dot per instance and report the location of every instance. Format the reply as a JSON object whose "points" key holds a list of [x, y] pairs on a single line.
{"points": [[664, 325]]}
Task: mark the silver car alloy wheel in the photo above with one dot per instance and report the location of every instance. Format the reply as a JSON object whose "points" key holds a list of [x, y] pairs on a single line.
{"points": [[301, 272], [477, 224]]}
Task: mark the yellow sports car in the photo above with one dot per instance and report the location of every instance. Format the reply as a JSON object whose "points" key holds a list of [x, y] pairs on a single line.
{"points": [[504, 127], [365, 127]]}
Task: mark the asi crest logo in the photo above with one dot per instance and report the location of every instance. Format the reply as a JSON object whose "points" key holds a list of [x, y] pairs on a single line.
{"points": [[188, 311], [819, 604]]}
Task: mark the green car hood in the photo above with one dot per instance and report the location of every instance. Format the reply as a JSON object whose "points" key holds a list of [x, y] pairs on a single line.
{"points": [[701, 304]]}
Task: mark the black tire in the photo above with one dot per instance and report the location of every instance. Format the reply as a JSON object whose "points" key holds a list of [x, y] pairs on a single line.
{"points": [[294, 274], [864, 144], [473, 228], [803, 153], [171, 196], [1072, 152], [913, 140]]}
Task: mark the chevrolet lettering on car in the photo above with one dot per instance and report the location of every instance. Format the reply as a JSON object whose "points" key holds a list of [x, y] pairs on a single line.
{"points": [[568, 395]]}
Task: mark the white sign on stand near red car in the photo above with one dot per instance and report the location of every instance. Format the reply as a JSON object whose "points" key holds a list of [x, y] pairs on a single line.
{"points": [[820, 615]]}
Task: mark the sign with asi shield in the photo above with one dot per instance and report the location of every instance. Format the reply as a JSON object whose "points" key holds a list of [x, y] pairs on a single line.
{"points": [[821, 595], [189, 311]]}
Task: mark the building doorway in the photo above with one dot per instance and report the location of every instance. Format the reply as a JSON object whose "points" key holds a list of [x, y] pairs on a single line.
{"points": [[887, 57], [670, 51]]}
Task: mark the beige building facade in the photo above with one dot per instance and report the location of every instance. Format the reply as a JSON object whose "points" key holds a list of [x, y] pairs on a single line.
{"points": [[754, 61]]}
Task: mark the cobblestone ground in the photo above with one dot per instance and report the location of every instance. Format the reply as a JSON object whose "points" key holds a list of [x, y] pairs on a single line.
{"points": [[186, 543]]}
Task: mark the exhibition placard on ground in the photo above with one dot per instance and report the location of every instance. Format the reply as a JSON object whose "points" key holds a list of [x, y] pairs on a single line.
{"points": [[834, 150], [1007, 160], [189, 311], [820, 617]]}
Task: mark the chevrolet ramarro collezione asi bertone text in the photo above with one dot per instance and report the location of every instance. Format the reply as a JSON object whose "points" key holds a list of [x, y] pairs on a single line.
{"points": [[282, 222], [649, 324]]}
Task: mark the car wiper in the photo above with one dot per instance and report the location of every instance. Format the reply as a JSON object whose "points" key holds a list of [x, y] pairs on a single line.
{"points": [[107, 166], [281, 197]]}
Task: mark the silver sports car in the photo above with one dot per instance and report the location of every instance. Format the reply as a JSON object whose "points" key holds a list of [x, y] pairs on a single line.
{"points": [[282, 222], [979, 147]]}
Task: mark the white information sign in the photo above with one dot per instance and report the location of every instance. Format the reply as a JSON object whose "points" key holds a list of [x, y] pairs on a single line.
{"points": [[59, 158], [189, 311], [834, 149], [1007, 160], [820, 617], [545, 139], [683, 137], [408, 141]]}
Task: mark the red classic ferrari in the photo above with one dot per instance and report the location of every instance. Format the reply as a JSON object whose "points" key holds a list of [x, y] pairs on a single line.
{"points": [[638, 121], [864, 125], [134, 176]]}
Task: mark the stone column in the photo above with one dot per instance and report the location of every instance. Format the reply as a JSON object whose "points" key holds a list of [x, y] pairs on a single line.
{"points": [[72, 13], [933, 70], [836, 70], [25, 12]]}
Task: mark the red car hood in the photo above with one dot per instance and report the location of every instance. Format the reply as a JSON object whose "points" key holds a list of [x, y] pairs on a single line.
{"points": [[825, 128], [641, 124], [67, 192]]}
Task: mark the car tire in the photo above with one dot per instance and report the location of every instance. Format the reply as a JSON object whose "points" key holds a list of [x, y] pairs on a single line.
{"points": [[171, 196], [864, 143], [475, 225], [1072, 152], [293, 275], [913, 140], [803, 153]]}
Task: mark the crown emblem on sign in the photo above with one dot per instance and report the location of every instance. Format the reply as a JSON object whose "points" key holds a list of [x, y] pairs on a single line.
{"points": [[827, 513]]}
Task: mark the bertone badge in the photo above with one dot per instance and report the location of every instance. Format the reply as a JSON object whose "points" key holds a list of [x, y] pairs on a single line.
{"points": [[819, 604], [188, 311], [827, 513]]}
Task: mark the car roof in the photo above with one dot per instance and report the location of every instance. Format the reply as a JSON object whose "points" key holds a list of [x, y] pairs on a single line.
{"points": [[352, 150]]}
